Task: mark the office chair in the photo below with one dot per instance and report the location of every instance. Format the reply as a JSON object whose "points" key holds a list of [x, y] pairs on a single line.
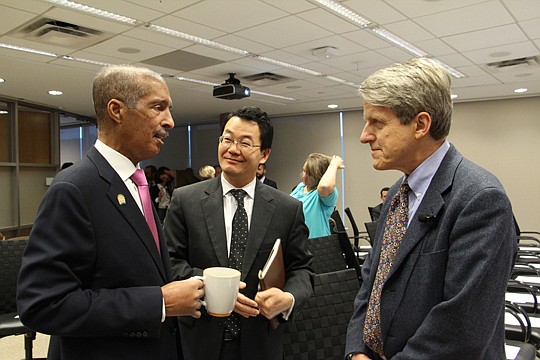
{"points": [[327, 254], [319, 329], [372, 214], [371, 228], [346, 246], [11, 253], [356, 232]]}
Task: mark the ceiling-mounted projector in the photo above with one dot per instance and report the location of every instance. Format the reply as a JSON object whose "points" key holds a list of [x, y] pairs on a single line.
{"points": [[231, 89]]}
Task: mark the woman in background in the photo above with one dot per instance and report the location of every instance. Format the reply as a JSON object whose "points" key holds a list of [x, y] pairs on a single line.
{"points": [[318, 192], [163, 181]]}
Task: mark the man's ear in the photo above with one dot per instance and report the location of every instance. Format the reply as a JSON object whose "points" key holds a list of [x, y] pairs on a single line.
{"points": [[266, 155], [115, 109], [423, 124]]}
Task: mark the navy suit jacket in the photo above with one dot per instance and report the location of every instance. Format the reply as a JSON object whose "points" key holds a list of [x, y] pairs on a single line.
{"points": [[195, 230], [269, 182], [91, 274], [444, 296]]}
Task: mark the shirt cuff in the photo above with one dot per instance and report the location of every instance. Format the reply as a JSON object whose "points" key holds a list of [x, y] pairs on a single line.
{"points": [[163, 312], [288, 313]]}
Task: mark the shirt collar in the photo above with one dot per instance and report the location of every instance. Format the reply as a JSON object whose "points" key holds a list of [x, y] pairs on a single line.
{"points": [[249, 188], [420, 178], [121, 164]]}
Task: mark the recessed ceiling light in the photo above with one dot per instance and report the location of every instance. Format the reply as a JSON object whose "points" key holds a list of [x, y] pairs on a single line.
{"points": [[55, 92], [2, 80], [333, 106], [521, 90]]}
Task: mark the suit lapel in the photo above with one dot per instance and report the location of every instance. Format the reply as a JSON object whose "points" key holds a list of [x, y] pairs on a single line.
{"points": [[261, 216], [431, 204], [123, 201], [212, 206]]}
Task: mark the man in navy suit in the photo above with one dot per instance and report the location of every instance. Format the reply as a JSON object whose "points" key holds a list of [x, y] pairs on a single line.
{"points": [[443, 297], [93, 275], [198, 229], [261, 175]]}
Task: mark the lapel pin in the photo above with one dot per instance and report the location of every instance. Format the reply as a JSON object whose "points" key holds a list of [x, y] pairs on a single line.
{"points": [[121, 199]]}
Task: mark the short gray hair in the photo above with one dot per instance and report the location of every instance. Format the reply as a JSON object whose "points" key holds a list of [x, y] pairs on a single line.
{"points": [[408, 88], [122, 82]]}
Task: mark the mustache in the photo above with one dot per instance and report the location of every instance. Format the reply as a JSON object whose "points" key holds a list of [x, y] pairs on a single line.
{"points": [[161, 134]]}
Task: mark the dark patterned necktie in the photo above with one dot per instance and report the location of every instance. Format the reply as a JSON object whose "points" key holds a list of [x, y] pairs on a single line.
{"points": [[394, 230], [236, 253]]}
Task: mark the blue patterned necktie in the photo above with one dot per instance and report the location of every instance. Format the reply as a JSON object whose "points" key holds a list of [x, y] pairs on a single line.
{"points": [[394, 230], [236, 253]]}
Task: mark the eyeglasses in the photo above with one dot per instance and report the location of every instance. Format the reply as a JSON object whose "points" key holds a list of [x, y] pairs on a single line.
{"points": [[244, 144]]}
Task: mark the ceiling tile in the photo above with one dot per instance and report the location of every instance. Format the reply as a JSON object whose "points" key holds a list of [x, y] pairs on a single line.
{"points": [[501, 35], [12, 18], [280, 33], [523, 9], [417, 8], [515, 51], [111, 47], [220, 15], [531, 28], [328, 21], [470, 18], [163, 6], [375, 10]]}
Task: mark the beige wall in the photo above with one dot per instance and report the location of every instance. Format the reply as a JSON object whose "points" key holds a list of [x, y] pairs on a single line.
{"points": [[502, 136]]}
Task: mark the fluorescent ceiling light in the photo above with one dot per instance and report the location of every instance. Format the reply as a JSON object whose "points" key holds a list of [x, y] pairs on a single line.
{"points": [[332, 106], [55, 92], [272, 95], [521, 90], [2, 80], [198, 40], [209, 43], [337, 8], [95, 11], [287, 65], [344, 82], [88, 61], [387, 35], [28, 50], [455, 73]]}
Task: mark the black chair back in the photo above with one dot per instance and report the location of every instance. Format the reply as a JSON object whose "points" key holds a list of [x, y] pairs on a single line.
{"points": [[319, 330], [327, 254], [356, 232], [11, 252], [371, 228]]}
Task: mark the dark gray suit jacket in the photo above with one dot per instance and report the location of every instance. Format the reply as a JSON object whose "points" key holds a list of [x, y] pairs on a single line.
{"points": [[195, 230], [91, 274], [444, 297]]}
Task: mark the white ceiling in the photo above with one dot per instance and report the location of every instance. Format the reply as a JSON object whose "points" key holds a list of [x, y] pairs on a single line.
{"points": [[465, 34]]}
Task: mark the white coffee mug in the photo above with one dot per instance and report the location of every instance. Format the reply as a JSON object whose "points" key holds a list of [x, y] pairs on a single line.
{"points": [[220, 290]]}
